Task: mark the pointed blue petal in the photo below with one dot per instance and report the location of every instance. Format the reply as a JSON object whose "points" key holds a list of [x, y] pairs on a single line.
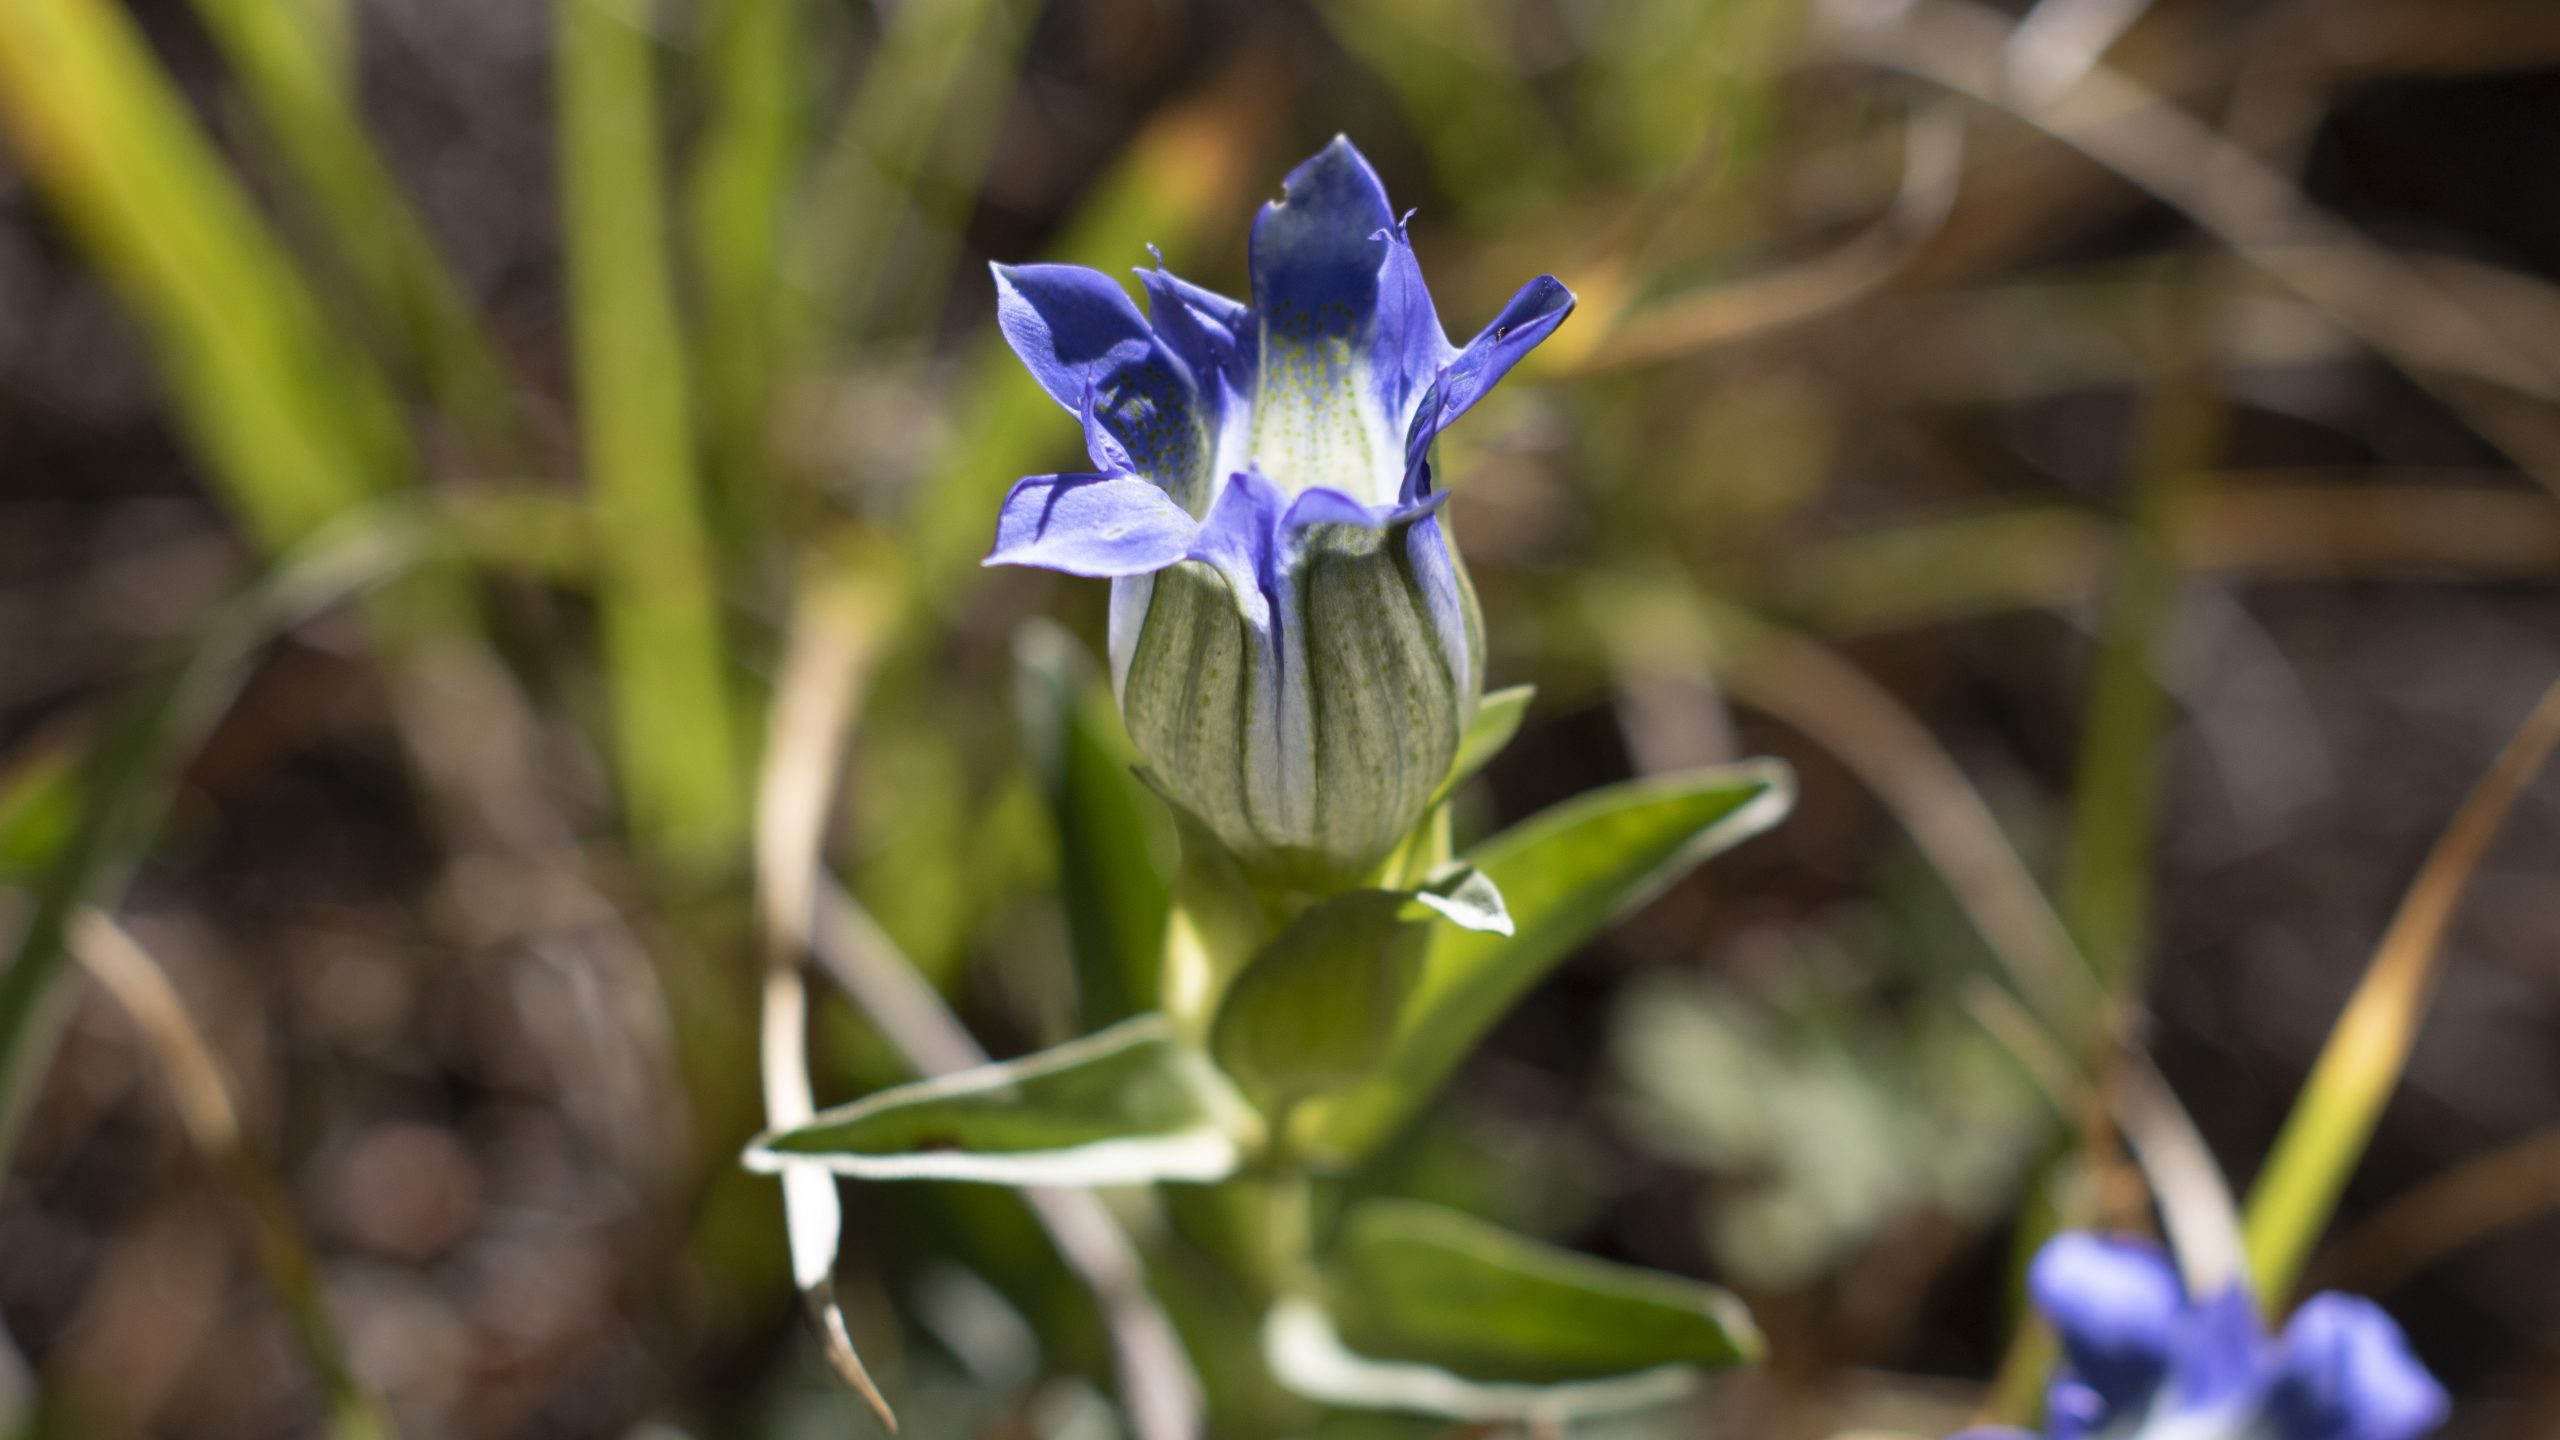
{"points": [[2345, 1373], [1347, 336], [1212, 334], [1530, 318], [1409, 347], [1085, 342], [1216, 338], [1097, 525], [1317, 251], [2116, 1305]]}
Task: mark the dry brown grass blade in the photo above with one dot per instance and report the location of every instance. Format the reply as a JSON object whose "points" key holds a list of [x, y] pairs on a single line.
{"points": [[1157, 1383], [1834, 704], [1932, 167], [2250, 208], [836, 635], [2283, 531], [2196, 1206], [2360, 1065], [2507, 1187], [2243, 525], [201, 1095], [823, 668], [2056, 1074]]}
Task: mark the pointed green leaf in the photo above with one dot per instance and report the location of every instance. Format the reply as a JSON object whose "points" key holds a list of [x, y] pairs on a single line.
{"points": [[1497, 720], [1127, 1106], [1427, 1309], [1564, 875], [1314, 1010]]}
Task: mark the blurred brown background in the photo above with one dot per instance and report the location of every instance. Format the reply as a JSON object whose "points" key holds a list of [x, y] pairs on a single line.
{"points": [[1909, 378]]}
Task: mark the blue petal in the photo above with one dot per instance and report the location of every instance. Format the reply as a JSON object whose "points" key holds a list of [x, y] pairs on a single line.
{"points": [[1435, 566], [1215, 337], [1099, 525], [1240, 540], [2220, 1355], [1085, 342], [1211, 333], [1409, 347], [2345, 1373], [1348, 338], [2073, 1411], [1318, 250], [1531, 317], [2117, 1306]]}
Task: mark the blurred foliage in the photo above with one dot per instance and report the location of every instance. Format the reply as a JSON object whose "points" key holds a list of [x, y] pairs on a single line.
{"points": [[2105, 446]]}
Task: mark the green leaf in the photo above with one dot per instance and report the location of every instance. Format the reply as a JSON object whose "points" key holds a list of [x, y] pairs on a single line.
{"points": [[1315, 1010], [40, 803], [1565, 875], [675, 734], [1128, 1106], [1114, 847], [1497, 720], [1426, 1309]]}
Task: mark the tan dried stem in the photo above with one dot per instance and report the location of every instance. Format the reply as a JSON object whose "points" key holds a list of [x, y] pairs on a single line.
{"points": [[1932, 166], [201, 1094], [2250, 208], [835, 638], [2507, 1187]]}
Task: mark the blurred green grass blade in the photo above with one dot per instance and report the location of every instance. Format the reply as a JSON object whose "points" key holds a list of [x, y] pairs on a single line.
{"points": [[863, 185], [39, 810], [931, 91], [1564, 874], [2106, 885], [675, 738], [125, 779], [2105, 894], [755, 59], [1466, 100], [2359, 1067], [297, 427], [1114, 850], [1496, 722], [293, 64], [1939, 570]]}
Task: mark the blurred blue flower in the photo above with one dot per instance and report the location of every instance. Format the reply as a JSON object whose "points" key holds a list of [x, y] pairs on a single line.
{"points": [[2144, 1361], [1293, 639]]}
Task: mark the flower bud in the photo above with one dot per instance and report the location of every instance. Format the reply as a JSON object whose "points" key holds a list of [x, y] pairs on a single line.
{"points": [[1293, 638], [1309, 747]]}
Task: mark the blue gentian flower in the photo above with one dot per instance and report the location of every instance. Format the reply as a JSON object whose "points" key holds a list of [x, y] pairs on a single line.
{"points": [[2145, 1361], [1293, 639]]}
